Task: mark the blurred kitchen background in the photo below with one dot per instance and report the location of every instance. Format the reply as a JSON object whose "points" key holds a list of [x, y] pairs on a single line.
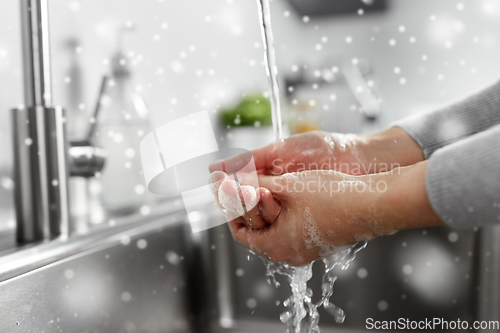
{"points": [[187, 56]]}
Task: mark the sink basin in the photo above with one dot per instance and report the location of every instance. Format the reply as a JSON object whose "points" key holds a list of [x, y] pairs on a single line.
{"points": [[152, 274]]}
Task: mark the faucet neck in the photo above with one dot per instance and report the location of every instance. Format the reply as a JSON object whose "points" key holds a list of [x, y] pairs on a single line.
{"points": [[36, 53]]}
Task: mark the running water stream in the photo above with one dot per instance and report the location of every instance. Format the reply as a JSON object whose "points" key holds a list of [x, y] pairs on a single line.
{"points": [[271, 68], [299, 304]]}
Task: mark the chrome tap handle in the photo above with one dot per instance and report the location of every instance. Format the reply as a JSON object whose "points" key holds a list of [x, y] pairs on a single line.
{"points": [[86, 159]]}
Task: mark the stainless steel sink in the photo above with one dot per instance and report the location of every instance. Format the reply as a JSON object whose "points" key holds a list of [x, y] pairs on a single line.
{"points": [[416, 274], [129, 278], [151, 274]]}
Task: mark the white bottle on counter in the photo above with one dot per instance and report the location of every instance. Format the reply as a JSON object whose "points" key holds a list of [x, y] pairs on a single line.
{"points": [[122, 123]]}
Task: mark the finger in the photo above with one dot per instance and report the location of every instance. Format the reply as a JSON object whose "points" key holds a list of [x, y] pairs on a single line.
{"points": [[264, 156], [250, 197], [229, 198], [276, 184], [216, 179], [261, 207], [262, 159], [245, 236], [256, 240], [217, 166], [253, 217], [242, 203], [247, 175], [239, 232], [232, 164], [269, 207]]}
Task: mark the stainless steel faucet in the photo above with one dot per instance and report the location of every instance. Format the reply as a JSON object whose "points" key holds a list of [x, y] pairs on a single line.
{"points": [[41, 149]]}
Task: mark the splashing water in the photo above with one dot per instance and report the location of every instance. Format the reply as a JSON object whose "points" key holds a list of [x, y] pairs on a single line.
{"points": [[271, 68], [300, 304]]}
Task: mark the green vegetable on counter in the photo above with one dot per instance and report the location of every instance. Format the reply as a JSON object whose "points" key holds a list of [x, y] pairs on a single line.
{"points": [[252, 110]]}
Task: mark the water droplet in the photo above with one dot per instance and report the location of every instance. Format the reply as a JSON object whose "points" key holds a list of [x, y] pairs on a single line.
{"points": [[126, 297], [453, 237], [7, 183], [142, 244], [118, 137], [251, 303], [139, 189], [362, 273], [130, 153], [69, 274], [382, 305], [145, 210], [407, 269], [172, 258], [125, 240]]}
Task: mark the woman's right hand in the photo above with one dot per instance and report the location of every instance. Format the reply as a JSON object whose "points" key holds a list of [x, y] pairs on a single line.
{"points": [[301, 217], [347, 153]]}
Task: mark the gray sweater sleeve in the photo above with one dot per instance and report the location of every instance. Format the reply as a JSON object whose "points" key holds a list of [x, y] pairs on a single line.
{"points": [[463, 178], [436, 129]]}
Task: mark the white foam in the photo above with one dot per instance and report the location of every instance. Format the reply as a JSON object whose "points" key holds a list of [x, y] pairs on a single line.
{"points": [[314, 238], [231, 203], [250, 196], [361, 238], [290, 177], [292, 184]]}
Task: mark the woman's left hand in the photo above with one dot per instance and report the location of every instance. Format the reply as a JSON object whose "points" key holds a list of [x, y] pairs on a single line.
{"points": [[301, 217]]}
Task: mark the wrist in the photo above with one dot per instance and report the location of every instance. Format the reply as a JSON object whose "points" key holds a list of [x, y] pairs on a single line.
{"points": [[405, 203], [391, 148], [394, 201]]}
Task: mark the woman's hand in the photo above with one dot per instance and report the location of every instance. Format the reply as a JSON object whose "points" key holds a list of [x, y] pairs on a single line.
{"points": [[347, 153], [302, 217]]}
